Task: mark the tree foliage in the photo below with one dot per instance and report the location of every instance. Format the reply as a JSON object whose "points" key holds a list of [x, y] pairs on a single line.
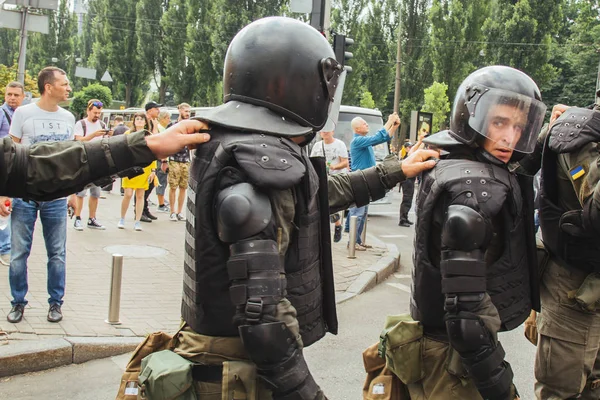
{"points": [[9, 74], [179, 45], [436, 102], [366, 100], [92, 91], [116, 49]]}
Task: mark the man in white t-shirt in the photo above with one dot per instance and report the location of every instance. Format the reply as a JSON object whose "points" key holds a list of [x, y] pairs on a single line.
{"points": [[336, 157], [43, 121], [88, 129]]}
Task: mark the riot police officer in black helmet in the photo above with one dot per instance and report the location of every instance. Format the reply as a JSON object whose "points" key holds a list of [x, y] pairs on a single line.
{"points": [[258, 278], [474, 256]]}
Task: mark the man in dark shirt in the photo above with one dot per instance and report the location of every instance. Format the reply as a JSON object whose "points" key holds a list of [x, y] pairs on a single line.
{"points": [[120, 128]]}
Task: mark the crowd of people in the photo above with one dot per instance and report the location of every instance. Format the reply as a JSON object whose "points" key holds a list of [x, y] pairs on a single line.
{"points": [[46, 121]]}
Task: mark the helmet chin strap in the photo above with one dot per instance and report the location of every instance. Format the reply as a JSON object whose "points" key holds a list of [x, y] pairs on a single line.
{"points": [[485, 156]]}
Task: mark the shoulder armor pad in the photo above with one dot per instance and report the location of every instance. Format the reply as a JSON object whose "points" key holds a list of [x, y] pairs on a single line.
{"points": [[484, 187], [270, 162], [465, 229], [575, 128], [242, 211]]}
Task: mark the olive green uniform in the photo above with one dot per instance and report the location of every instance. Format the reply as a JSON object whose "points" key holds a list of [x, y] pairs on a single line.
{"points": [[568, 360], [50, 170]]}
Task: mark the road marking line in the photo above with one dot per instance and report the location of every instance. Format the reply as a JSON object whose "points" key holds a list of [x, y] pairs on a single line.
{"points": [[400, 286], [402, 276], [393, 236]]}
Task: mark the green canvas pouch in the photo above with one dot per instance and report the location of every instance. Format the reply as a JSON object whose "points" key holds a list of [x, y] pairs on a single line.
{"points": [[166, 375], [400, 345]]}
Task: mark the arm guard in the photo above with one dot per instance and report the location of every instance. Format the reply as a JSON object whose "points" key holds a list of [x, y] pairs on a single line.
{"points": [[258, 285], [464, 238], [47, 171]]}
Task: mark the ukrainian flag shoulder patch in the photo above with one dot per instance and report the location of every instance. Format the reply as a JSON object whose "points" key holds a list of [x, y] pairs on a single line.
{"points": [[577, 172]]}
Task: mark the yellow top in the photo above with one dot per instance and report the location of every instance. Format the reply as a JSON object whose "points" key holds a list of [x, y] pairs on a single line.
{"points": [[140, 181]]}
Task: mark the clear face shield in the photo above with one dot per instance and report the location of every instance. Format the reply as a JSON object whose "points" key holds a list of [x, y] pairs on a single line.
{"points": [[510, 120]]}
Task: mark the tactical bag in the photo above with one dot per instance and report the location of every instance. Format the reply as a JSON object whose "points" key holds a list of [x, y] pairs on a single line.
{"points": [[400, 345], [166, 375]]}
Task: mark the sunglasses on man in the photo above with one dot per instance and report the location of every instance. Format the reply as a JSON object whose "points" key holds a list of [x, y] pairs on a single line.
{"points": [[97, 104]]}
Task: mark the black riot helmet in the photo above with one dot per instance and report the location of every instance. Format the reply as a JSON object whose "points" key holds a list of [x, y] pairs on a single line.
{"points": [[490, 96], [280, 77]]}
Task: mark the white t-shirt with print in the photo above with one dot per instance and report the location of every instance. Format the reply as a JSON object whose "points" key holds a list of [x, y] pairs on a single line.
{"points": [[90, 127], [33, 125], [334, 152]]}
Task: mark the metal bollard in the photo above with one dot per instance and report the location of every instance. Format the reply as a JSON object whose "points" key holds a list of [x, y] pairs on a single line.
{"points": [[363, 234], [352, 237], [114, 302]]}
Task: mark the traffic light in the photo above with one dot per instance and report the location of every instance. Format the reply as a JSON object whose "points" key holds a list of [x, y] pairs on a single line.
{"points": [[340, 45]]}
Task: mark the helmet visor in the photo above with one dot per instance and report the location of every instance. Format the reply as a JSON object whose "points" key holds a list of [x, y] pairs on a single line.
{"points": [[510, 120]]}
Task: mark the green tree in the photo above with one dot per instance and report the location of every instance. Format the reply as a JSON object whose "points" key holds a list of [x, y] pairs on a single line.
{"points": [[178, 71], [9, 51], [455, 39], [576, 56], [376, 53], [436, 102], [92, 91], [58, 44], [8, 74], [519, 33], [208, 90], [153, 39], [366, 100], [416, 71], [116, 49], [346, 19]]}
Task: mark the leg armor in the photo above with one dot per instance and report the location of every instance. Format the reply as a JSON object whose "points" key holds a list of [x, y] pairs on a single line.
{"points": [[258, 284], [464, 239]]}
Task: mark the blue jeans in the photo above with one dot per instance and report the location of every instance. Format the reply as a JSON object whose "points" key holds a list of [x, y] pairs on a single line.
{"points": [[53, 215], [5, 239], [361, 213]]}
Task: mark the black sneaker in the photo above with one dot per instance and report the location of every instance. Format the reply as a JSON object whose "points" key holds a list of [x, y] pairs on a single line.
{"points": [[404, 223], [337, 235], [149, 215], [144, 218], [16, 314], [94, 224], [54, 313]]}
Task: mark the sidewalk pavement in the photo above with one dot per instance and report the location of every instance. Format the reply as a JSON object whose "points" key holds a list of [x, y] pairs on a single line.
{"points": [[151, 289]]}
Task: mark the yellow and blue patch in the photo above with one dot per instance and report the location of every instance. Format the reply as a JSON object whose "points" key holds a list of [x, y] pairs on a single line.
{"points": [[577, 172]]}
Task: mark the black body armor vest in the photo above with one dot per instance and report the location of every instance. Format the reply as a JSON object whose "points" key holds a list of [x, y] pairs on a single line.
{"points": [[577, 129], [271, 164], [496, 194]]}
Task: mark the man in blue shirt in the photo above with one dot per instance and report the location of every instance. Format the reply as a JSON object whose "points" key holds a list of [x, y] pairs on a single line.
{"points": [[13, 97], [363, 157]]}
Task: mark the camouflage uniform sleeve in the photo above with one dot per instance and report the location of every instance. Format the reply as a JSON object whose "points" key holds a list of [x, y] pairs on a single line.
{"points": [[358, 188], [46, 171]]}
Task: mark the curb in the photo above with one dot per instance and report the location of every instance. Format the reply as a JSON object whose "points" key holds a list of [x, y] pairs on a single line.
{"points": [[37, 355], [23, 356], [374, 275]]}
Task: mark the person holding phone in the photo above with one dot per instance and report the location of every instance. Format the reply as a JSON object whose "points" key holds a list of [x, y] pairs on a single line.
{"points": [[88, 129]]}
